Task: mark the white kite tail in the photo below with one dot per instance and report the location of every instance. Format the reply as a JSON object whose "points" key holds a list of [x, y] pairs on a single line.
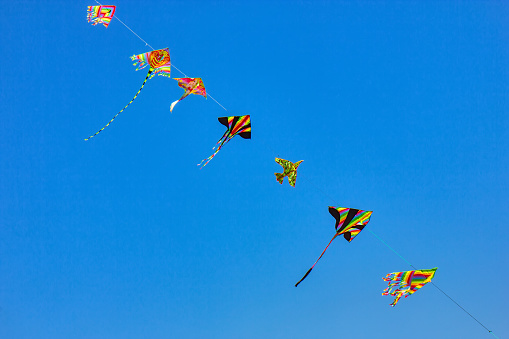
{"points": [[173, 105], [186, 93]]}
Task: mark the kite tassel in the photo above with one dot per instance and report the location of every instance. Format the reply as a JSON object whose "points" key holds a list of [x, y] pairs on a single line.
{"points": [[99, 131]]}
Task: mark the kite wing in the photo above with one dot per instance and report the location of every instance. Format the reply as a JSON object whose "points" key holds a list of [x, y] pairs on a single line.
{"points": [[349, 221], [236, 125], [159, 62], [289, 170], [191, 86], [100, 14], [406, 283]]}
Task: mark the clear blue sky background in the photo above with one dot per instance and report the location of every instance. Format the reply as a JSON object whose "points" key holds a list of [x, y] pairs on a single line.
{"points": [[399, 107]]}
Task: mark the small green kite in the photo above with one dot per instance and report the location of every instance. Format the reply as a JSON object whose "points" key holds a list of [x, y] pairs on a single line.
{"points": [[289, 170]]}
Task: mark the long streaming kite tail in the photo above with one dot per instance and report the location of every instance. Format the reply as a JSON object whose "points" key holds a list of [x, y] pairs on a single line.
{"points": [[224, 139], [207, 160], [309, 271], [99, 131]]}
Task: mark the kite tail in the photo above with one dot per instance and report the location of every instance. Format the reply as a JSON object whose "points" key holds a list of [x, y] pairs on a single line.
{"points": [[173, 105], [207, 160], [175, 102], [304, 277], [309, 271], [398, 296], [99, 131], [91, 14], [221, 141]]}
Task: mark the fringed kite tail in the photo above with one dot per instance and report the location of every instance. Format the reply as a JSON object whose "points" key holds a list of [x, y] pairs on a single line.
{"points": [[309, 271], [99, 131], [396, 300]]}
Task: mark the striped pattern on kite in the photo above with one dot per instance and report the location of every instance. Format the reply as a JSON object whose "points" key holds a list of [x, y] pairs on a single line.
{"points": [[349, 223], [237, 125], [158, 59], [406, 283], [100, 14], [191, 86]]}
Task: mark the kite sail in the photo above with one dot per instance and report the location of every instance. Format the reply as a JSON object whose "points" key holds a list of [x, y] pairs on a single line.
{"points": [[191, 86], [406, 283], [289, 170], [100, 15], [349, 223], [159, 62], [237, 125]]}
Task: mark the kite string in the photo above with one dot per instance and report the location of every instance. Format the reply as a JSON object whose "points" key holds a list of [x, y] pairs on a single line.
{"points": [[454, 301], [408, 262], [147, 44], [392, 249]]}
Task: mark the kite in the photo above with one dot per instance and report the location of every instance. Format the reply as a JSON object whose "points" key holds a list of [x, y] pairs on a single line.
{"points": [[406, 283], [159, 61], [349, 223], [100, 15], [289, 170], [191, 86], [237, 125]]}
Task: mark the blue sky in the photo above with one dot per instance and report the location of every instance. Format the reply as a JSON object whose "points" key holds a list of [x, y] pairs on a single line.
{"points": [[399, 107]]}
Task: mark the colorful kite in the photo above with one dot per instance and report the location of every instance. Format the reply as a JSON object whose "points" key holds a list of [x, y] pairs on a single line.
{"points": [[349, 222], [191, 86], [100, 15], [237, 125], [159, 61], [289, 170], [406, 283]]}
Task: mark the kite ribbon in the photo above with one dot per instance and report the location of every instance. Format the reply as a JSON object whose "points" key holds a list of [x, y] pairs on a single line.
{"points": [[224, 139], [309, 271], [99, 131], [187, 92]]}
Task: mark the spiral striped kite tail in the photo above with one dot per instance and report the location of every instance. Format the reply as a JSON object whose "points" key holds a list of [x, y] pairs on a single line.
{"points": [[309, 271], [99, 131]]}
